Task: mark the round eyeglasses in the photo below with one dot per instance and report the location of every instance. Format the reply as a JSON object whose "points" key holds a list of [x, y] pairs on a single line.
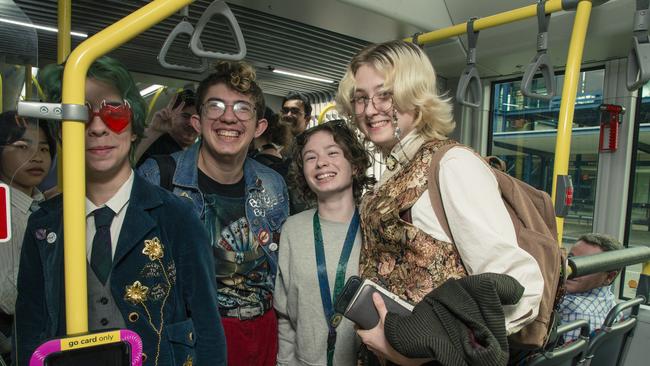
{"points": [[382, 102], [214, 109]]}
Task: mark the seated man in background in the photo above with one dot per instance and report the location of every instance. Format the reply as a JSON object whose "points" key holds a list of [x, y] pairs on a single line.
{"points": [[589, 297], [170, 129]]}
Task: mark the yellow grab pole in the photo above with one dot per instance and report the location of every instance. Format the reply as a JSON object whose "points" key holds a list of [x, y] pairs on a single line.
{"points": [[154, 100], [569, 91], [62, 51], [28, 82], [63, 37], [74, 209], [321, 116], [41, 96], [488, 22]]}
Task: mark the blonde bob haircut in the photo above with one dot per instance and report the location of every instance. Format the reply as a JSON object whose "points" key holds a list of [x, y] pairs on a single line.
{"points": [[410, 77]]}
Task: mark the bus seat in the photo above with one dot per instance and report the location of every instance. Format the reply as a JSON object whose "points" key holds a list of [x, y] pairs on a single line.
{"points": [[569, 354], [610, 345]]}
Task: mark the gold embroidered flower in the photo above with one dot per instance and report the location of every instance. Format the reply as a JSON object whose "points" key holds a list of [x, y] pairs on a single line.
{"points": [[153, 248], [188, 361], [136, 293]]}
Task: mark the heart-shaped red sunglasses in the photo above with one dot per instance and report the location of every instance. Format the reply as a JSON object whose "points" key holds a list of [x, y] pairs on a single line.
{"points": [[115, 117]]}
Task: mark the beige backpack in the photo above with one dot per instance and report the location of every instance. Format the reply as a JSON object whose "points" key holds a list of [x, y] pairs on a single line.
{"points": [[533, 216]]}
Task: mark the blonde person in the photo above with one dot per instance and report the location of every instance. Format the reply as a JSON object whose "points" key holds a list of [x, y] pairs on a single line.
{"points": [[319, 248], [390, 92]]}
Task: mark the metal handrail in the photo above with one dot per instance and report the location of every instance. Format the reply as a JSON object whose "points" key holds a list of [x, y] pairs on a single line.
{"points": [[540, 62], [218, 7], [469, 84], [183, 27], [638, 60], [607, 261]]}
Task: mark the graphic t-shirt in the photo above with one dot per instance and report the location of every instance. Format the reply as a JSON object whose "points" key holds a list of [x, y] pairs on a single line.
{"points": [[242, 270]]}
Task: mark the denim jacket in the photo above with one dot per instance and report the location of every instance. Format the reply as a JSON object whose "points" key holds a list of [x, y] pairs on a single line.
{"points": [[267, 200]]}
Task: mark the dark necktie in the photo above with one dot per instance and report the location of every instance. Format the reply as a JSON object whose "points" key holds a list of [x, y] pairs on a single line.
{"points": [[101, 258]]}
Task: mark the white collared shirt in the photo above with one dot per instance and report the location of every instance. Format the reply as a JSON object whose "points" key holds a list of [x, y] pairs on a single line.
{"points": [[118, 203], [10, 251], [483, 231]]}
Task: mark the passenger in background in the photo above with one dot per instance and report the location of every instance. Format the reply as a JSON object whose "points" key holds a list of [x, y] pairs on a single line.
{"points": [[330, 165], [26, 151], [242, 203], [170, 129], [150, 265], [296, 111], [270, 144], [390, 92], [589, 297]]}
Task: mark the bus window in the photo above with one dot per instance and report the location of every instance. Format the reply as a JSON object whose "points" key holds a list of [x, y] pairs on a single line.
{"points": [[523, 134], [638, 219]]}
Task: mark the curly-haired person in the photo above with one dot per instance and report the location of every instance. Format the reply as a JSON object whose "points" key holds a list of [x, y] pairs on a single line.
{"points": [[329, 166], [242, 204]]}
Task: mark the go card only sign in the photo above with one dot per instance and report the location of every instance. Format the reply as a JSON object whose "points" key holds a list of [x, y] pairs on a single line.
{"points": [[120, 347], [90, 340], [5, 213]]}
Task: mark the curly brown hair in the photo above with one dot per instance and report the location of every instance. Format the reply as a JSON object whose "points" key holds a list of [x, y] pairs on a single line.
{"points": [[236, 75], [353, 150]]}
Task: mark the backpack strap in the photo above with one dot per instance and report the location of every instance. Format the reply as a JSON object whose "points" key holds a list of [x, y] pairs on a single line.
{"points": [[434, 187], [434, 180], [167, 168]]}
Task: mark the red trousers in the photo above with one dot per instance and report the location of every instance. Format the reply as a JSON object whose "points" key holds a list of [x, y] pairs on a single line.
{"points": [[252, 342]]}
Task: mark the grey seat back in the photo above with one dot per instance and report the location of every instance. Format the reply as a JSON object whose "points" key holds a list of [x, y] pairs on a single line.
{"points": [[570, 354], [609, 347]]}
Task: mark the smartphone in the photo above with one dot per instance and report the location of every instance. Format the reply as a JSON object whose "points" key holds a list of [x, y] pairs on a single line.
{"points": [[355, 302]]}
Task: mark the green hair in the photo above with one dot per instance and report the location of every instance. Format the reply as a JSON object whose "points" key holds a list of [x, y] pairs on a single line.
{"points": [[110, 71]]}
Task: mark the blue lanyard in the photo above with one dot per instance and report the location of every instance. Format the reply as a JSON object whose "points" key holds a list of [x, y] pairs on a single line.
{"points": [[332, 319]]}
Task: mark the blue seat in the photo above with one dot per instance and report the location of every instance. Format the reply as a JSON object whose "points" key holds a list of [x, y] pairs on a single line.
{"points": [[610, 345], [569, 354]]}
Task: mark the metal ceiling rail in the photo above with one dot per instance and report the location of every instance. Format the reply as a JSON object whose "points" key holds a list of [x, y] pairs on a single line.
{"points": [[510, 16], [572, 71]]}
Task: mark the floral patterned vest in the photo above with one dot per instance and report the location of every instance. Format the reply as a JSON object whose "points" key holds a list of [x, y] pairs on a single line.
{"points": [[395, 253]]}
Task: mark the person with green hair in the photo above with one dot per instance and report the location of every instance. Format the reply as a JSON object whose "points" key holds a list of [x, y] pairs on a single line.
{"points": [[150, 264], [108, 70]]}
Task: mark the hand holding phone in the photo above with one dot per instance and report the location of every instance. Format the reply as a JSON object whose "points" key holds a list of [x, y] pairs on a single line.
{"points": [[355, 302]]}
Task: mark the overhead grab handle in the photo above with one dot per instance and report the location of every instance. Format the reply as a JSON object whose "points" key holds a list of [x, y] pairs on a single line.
{"points": [[184, 27], [218, 7], [638, 60], [540, 62], [469, 91]]}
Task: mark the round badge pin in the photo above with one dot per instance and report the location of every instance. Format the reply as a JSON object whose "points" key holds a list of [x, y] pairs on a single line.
{"points": [[51, 238], [273, 247], [40, 234], [263, 236], [336, 320]]}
